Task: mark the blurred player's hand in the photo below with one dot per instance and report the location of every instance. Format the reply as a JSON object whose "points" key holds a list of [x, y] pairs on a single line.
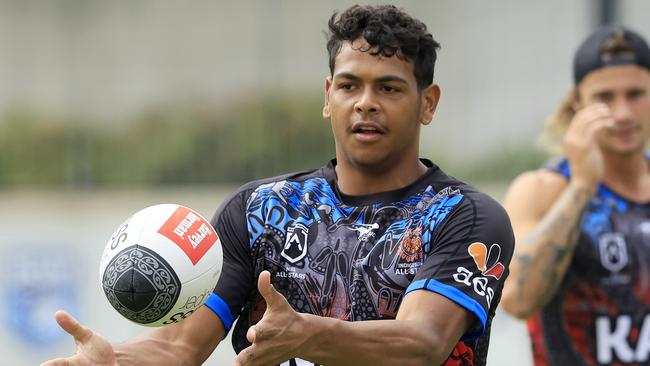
{"points": [[277, 337], [581, 144], [92, 349]]}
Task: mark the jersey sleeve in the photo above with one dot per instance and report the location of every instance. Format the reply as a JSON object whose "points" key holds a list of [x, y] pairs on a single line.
{"points": [[469, 259], [236, 280]]}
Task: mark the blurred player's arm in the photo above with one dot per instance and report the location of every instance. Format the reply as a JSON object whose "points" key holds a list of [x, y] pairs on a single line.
{"points": [[425, 331], [189, 342], [545, 210]]}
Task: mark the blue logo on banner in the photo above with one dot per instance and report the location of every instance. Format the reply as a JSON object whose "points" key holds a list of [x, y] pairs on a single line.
{"points": [[36, 283]]}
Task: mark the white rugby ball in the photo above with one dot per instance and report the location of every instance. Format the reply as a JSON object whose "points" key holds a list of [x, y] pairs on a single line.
{"points": [[161, 264]]}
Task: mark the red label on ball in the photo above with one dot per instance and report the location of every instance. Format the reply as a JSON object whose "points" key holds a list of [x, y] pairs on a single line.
{"points": [[190, 232]]}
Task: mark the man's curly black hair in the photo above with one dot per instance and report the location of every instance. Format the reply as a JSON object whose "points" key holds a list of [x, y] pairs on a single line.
{"points": [[389, 32]]}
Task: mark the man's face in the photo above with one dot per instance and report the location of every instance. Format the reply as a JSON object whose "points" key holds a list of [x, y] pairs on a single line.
{"points": [[375, 108], [626, 90]]}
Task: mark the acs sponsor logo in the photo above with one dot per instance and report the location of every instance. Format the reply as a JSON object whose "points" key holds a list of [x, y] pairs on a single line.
{"points": [[487, 262], [482, 256]]}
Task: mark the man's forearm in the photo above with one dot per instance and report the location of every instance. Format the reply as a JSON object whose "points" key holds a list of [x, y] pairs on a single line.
{"points": [[189, 342], [542, 258], [153, 352], [373, 343]]}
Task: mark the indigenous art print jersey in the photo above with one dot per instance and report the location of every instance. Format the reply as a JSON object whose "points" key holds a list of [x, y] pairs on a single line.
{"points": [[354, 258], [601, 313]]}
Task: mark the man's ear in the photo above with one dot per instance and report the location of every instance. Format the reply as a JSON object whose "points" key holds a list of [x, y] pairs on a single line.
{"points": [[430, 98], [326, 102], [576, 103]]}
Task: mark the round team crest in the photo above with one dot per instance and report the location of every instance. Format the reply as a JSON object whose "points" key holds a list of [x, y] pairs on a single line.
{"points": [[411, 244], [141, 268]]}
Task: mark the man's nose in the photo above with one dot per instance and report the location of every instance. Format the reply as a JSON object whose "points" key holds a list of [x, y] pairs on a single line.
{"points": [[622, 111], [367, 102]]}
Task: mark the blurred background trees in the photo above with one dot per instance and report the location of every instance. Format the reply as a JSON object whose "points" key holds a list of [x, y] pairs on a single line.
{"points": [[171, 145], [193, 144]]}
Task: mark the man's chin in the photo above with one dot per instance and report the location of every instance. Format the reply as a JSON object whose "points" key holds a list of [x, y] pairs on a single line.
{"points": [[369, 162], [625, 149]]}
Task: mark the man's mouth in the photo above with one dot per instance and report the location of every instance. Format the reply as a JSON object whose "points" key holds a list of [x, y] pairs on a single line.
{"points": [[369, 128], [366, 130]]}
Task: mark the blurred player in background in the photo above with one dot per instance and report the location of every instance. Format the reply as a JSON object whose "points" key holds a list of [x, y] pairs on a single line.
{"points": [[581, 271], [376, 258]]}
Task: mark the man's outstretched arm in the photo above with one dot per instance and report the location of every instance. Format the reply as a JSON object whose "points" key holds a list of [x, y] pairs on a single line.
{"points": [[189, 342], [426, 329]]}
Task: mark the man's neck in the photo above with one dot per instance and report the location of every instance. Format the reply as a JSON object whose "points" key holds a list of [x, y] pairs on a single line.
{"points": [[359, 180], [628, 175]]}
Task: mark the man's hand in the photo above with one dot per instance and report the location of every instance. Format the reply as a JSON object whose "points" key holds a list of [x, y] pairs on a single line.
{"points": [[92, 349], [279, 335], [581, 144]]}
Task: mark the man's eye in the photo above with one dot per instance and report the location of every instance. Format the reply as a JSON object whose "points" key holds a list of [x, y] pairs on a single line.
{"points": [[346, 86], [635, 94], [388, 89], [603, 98]]}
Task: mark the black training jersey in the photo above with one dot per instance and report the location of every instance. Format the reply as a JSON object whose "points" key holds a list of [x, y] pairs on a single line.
{"points": [[601, 313], [355, 257]]}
